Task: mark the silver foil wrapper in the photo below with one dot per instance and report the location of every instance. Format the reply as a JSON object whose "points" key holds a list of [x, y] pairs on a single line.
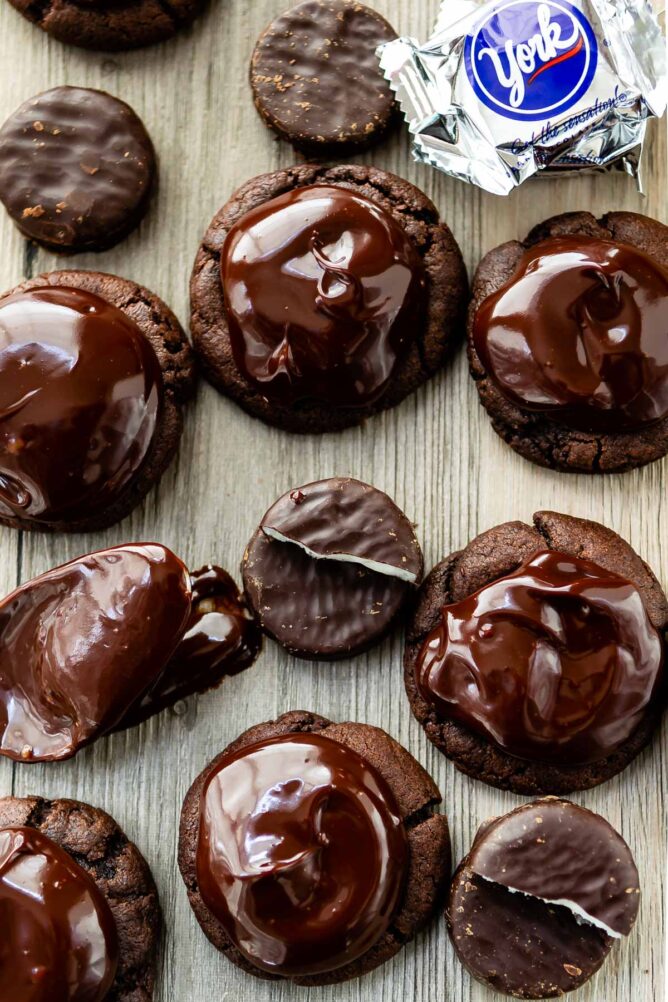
{"points": [[506, 89]]}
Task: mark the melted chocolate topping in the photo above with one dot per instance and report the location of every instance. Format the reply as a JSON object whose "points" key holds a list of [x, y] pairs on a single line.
{"points": [[579, 334], [80, 397], [221, 639], [555, 662], [81, 644], [59, 940], [323, 291], [301, 855]]}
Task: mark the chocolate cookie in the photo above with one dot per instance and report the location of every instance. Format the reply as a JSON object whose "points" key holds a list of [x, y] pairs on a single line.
{"points": [[362, 774], [110, 25], [112, 421], [330, 567], [331, 238], [316, 78], [541, 898], [153, 635], [76, 169], [535, 656], [583, 383], [105, 874]]}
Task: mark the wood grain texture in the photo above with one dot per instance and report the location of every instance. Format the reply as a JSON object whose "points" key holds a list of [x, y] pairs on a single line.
{"points": [[436, 455]]}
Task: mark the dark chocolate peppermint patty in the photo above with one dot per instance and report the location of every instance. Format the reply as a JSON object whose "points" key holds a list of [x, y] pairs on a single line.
{"points": [[538, 902], [316, 78], [330, 567], [77, 168]]}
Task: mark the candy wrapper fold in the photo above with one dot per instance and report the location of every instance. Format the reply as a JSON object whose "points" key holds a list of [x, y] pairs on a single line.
{"points": [[504, 90]]}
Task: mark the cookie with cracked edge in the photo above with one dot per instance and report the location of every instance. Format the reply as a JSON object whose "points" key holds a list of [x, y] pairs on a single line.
{"points": [[534, 436], [416, 795], [110, 25], [542, 896], [175, 358], [492, 555], [120, 872], [77, 168], [442, 322], [317, 81]]}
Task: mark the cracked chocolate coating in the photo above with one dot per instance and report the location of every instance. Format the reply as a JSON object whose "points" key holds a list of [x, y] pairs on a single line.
{"points": [[316, 79], [493, 554], [120, 872], [416, 796], [521, 943], [110, 25], [534, 436], [324, 608], [157, 322], [76, 169], [440, 329]]}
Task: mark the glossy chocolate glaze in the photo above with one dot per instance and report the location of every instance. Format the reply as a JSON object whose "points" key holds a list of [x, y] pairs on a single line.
{"points": [[579, 334], [81, 644], [323, 292], [556, 662], [59, 940], [301, 855], [221, 639], [80, 397]]}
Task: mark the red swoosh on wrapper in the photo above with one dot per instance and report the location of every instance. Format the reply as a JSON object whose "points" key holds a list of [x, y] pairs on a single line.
{"points": [[558, 59]]}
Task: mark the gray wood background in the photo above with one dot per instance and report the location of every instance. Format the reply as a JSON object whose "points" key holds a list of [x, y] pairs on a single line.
{"points": [[435, 454]]}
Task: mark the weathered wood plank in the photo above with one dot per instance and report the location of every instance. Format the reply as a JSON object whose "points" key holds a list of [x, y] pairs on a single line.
{"points": [[436, 454]]}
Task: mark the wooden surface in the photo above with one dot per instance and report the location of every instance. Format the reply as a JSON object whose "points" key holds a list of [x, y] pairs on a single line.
{"points": [[436, 455]]}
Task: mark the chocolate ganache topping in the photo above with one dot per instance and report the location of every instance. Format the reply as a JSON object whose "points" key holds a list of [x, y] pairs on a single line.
{"points": [[301, 854], [59, 940], [323, 290], [580, 334], [81, 644], [221, 639], [80, 397], [557, 661]]}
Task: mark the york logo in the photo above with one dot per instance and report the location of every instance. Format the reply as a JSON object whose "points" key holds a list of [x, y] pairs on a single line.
{"points": [[531, 60]]}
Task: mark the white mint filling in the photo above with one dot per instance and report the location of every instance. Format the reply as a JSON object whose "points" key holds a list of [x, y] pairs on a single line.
{"points": [[580, 914], [390, 570]]}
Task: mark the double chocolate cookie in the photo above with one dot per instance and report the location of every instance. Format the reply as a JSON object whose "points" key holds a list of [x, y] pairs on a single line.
{"points": [[76, 169], [109, 639], [310, 850], [110, 25], [541, 899], [80, 911], [567, 342], [321, 295], [94, 373], [330, 567], [316, 78], [535, 656]]}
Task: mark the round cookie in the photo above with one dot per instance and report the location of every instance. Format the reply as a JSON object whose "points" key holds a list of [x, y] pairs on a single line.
{"points": [[532, 434], [110, 25], [446, 287], [118, 869], [427, 835], [330, 567], [493, 555], [77, 168], [541, 898], [174, 357], [316, 78]]}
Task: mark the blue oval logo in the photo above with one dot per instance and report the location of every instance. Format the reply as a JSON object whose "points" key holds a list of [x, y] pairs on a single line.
{"points": [[531, 60]]}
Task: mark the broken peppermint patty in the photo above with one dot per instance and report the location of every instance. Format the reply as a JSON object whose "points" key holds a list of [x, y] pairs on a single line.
{"points": [[540, 899], [330, 567]]}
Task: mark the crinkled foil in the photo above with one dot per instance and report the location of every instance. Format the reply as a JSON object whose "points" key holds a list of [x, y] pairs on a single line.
{"points": [[603, 128]]}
